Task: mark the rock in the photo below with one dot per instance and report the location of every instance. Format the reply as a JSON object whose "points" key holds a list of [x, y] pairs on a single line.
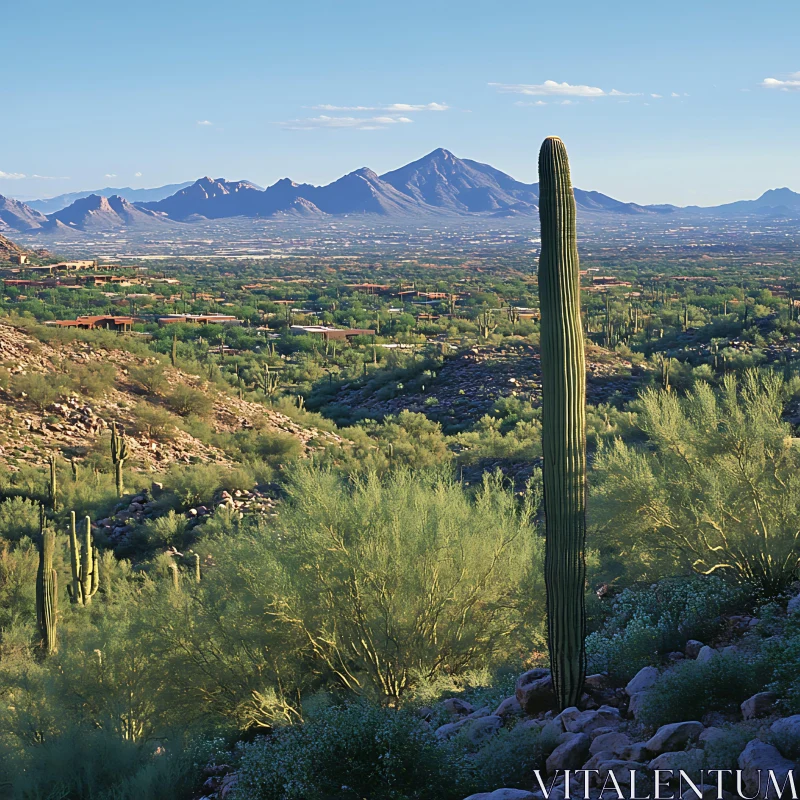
{"points": [[426, 712], [575, 721], [759, 705], [481, 712], [788, 727], [675, 656], [622, 772], [674, 736], [571, 752], [504, 794], [611, 742], [706, 653], [449, 729], [456, 707], [688, 760], [710, 734], [636, 703], [757, 758], [596, 682], [794, 605], [510, 707], [635, 752], [642, 681], [534, 691], [479, 730]]}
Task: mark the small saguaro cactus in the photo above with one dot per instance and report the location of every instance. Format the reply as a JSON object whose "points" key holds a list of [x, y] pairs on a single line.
{"points": [[563, 424], [197, 573], [176, 581], [119, 452], [173, 354], [47, 590], [53, 488], [85, 565]]}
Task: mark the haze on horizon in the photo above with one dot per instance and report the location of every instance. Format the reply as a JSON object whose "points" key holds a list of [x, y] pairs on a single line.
{"points": [[686, 105]]}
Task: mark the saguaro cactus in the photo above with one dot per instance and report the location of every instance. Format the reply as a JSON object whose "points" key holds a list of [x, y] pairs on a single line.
{"points": [[47, 591], [119, 452], [53, 488], [563, 424], [85, 565]]}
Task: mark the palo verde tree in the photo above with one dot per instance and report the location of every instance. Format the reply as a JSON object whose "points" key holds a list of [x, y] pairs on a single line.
{"points": [[563, 424]]}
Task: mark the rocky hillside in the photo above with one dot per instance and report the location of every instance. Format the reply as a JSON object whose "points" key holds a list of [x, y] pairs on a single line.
{"points": [[75, 424]]}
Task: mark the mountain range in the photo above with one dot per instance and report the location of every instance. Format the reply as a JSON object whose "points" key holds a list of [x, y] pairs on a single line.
{"points": [[52, 204], [437, 185]]}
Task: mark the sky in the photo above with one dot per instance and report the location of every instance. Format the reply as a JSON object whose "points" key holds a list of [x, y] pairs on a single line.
{"points": [[687, 102]]}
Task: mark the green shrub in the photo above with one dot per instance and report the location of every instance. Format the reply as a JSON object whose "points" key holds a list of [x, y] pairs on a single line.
{"points": [[695, 688], [149, 378], [169, 529], [186, 401], [39, 388], [19, 517], [350, 752], [194, 484], [646, 622], [155, 423], [92, 379]]}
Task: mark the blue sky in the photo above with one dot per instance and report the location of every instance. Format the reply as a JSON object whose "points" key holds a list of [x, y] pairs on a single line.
{"points": [[147, 93]]}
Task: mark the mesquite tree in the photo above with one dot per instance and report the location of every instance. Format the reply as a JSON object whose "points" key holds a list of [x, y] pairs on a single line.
{"points": [[563, 424]]}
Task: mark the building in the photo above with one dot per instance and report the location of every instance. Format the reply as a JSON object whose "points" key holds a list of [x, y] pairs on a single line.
{"points": [[200, 319], [105, 322], [327, 333], [19, 258]]}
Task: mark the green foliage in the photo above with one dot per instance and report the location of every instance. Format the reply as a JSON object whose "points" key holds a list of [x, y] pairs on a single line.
{"points": [[169, 529], [716, 489], [647, 622], [39, 388], [351, 751], [155, 423], [19, 518], [694, 688], [150, 378], [186, 401], [194, 484]]}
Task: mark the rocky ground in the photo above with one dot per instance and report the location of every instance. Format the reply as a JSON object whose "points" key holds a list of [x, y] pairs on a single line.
{"points": [[468, 384], [74, 425]]}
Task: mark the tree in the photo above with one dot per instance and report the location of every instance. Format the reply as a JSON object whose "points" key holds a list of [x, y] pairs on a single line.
{"points": [[716, 485]]}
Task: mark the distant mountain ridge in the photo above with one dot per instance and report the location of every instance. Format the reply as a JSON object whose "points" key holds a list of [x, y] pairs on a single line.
{"points": [[50, 205], [437, 185]]}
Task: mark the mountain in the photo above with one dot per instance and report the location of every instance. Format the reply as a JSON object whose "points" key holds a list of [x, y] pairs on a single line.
{"points": [[17, 216], [96, 213], [9, 248], [50, 205], [212, 199], [773, 203]]}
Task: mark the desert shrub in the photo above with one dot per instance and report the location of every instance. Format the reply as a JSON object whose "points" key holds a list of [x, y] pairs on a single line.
{"points": [[723, 749], [19, 517], [716, 487], [694, 688], [40, 389], [645, 622], [155, 423], [149, 378], [92, 379], [194, 484], [509, 758], [781, 656], [87, 764], [186, 401], [347, 752], [395, 578], [169, 529]]}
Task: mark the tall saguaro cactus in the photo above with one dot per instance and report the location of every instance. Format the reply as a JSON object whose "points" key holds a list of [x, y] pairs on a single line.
{"points": [[119, 452], [85, 565], [563, 424], [47, 592], [53, 487]]}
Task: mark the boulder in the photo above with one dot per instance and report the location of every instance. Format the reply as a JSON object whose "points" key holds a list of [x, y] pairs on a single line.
{"points": [[635, 752], [674, 736], [534, 691], [688, 760], [456, 707], [575, 721], [786, 728], [479, 730], [759, 705], [571, 752], [510, 707], [596, 682], [692, 648], [610, 742], [503, 794], [636, 703], [622, 772], [642, 681], [755, 762], [706, 653]]}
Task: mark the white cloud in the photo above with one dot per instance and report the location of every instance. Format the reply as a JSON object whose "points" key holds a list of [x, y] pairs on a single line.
{"points": [[392, 107], [657, 96], [111, 175], [137, 174], [790, 84], [674, 94], [204, 122], [355, 123], [555, 89], [12, 176]]}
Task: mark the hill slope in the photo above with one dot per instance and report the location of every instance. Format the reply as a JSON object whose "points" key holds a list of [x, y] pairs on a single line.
{"points": [[17, 216], [96, 213]]}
